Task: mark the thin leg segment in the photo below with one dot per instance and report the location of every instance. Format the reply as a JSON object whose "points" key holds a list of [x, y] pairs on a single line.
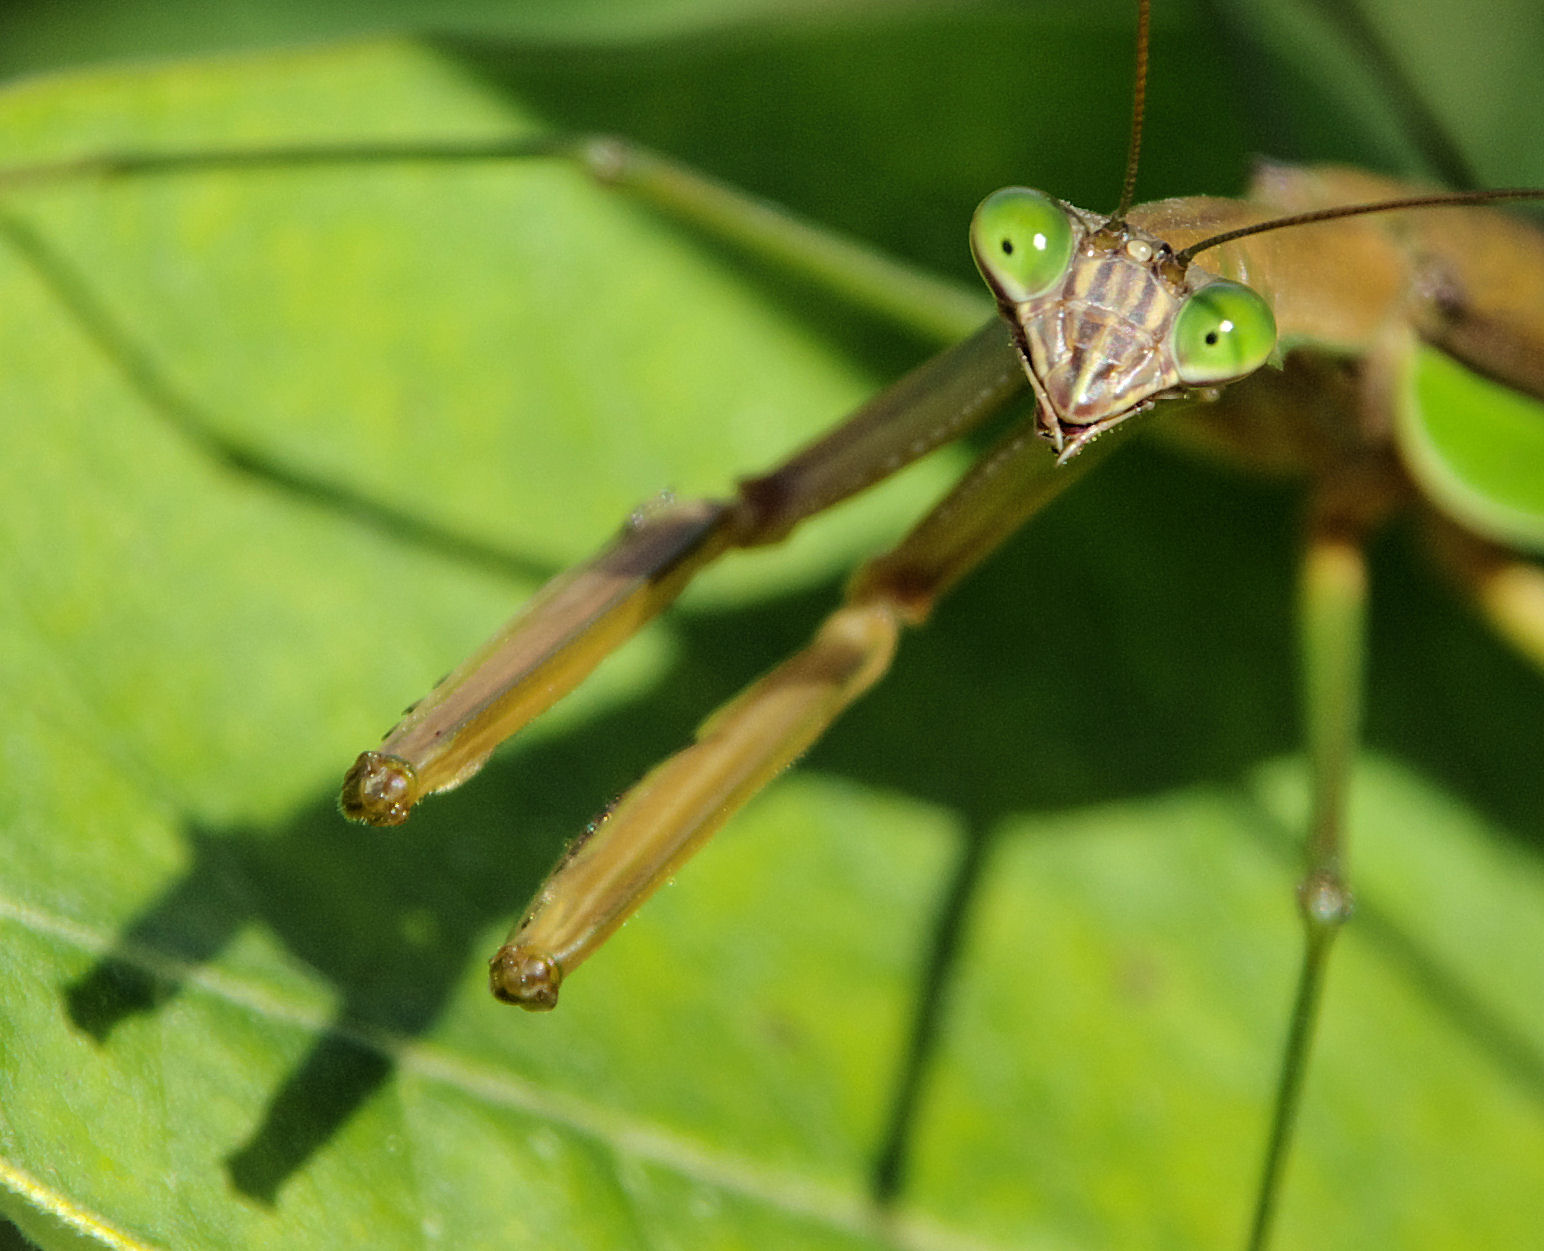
{"points": [[541, 654], [899, 293], [1333, 606], [633, 849], [583, 615], [641, 842]]}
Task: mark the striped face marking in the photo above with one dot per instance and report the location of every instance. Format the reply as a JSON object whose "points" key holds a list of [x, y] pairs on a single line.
{"points": [[1095, 317], [1096, 344]]}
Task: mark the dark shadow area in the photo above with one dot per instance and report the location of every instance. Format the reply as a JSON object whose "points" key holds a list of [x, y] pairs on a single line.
{"points": [[12, 1239], [862, 143], [1112, 649], [1277, 84], [1146, 631], [1448, 696], [1425, 129], [887, 1180]]}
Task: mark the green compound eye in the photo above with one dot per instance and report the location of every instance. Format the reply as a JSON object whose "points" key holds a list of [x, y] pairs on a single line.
{"points": [[1022, 242], [1222, 332]]}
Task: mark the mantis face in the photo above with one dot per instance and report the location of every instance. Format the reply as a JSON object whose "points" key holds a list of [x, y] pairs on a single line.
{"points": [[1106, 319]]}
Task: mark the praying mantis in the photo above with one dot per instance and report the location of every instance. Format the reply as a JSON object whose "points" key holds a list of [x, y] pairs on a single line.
{"points": [[678, 947]]}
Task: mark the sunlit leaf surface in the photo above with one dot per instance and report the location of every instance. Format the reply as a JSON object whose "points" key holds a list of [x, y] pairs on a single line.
{"points": [[279, 448]]}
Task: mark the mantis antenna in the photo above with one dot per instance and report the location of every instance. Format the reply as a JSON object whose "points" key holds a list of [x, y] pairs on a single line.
{"points": [[1448, 199], [1138, 110]]}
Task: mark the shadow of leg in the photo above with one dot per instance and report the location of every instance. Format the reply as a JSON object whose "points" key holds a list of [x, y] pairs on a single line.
{"points": [[336, 1077], [888, 1177], [187, 926]]}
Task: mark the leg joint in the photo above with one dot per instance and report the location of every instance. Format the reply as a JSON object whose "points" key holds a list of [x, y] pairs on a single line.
{"points": [[1325, 901]]}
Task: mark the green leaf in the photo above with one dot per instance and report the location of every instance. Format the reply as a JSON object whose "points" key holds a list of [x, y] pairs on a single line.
{"points": [[1476, 447], [281, 447]]}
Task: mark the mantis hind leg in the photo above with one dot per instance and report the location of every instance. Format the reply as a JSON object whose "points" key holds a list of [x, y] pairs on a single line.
{"points": [[1333, 594]]}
